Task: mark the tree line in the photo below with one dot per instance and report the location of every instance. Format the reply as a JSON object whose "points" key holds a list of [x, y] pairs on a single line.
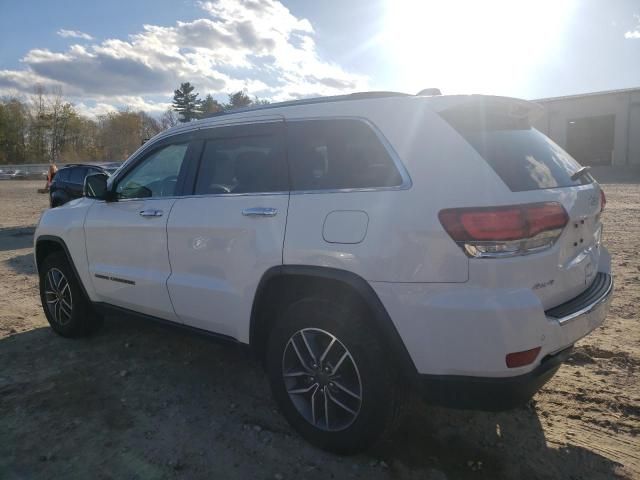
{"points": [[189, 107], [45, 127]]}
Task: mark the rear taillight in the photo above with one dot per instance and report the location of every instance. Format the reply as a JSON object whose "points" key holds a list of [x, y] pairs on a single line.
{"points": [[505, 231], [603, 200]]}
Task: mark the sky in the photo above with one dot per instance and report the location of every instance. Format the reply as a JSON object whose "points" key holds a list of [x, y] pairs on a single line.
{"points": [[119, 54]]}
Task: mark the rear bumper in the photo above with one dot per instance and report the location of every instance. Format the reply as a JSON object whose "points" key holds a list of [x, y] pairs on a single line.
{"points": [[594, 298], [467, 330], [487, 393]]}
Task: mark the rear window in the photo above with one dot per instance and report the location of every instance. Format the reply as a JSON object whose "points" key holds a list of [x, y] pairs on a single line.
{"points": [[338, 154], [62, 175], [523, 158]]}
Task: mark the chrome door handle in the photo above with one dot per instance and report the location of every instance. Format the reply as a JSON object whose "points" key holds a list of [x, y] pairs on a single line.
{"points": [[151, 213], [260, 212]]}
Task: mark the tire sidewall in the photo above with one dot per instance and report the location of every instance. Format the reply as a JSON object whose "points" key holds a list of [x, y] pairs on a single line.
{"points": [[348, 326], [78, 324]]}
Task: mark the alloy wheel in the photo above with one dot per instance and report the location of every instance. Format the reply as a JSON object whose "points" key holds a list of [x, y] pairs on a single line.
{"points": [[57, 293], [322, 379]]}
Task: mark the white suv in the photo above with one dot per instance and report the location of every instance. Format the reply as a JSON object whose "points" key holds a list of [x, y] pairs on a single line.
{"points": [[358, 244]]}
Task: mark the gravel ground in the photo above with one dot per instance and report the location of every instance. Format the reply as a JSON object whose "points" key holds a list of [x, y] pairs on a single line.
{"points": [[143, 401]]}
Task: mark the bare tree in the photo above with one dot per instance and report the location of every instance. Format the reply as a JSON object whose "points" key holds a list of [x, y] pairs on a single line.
{"points": [[57, 116], [169, 119], [37, 147]]}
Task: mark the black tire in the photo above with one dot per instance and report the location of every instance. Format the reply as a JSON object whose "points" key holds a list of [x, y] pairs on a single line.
{"points": [[377, 384], [67, 309]]}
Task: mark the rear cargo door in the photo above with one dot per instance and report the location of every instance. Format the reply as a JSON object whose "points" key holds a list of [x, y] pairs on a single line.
{"points": [[534, 169]]}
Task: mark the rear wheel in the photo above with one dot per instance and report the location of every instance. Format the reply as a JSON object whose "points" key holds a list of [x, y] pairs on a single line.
{"points": [[331, 376], [67, 310]]}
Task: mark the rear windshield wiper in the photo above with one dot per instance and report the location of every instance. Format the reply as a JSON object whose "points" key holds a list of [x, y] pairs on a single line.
{"points": [[579, 173]]}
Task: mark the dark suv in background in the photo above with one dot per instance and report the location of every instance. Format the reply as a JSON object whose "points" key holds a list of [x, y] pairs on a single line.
{"points": [[68, 183]]}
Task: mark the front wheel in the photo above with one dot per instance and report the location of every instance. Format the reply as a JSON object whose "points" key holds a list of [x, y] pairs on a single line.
{"points": [[331, 376], [67, 310]]}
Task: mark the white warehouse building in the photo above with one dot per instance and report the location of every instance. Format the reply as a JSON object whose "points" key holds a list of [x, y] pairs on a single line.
{"points": [[597, 129]]}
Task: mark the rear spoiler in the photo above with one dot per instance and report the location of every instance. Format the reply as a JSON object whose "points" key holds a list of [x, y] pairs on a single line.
{"points": [[505, 106]]}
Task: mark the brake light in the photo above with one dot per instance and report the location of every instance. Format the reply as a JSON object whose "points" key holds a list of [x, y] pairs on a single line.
{"points": [[603, 200], [506, 230]]}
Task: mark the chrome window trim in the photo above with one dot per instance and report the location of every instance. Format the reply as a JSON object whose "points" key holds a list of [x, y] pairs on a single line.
{"points": [[180, 197], [192, 127], [406, 184]]}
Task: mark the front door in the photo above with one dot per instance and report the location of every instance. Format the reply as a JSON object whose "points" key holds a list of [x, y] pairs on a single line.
{"points": [[223, 239], [127, 238]]}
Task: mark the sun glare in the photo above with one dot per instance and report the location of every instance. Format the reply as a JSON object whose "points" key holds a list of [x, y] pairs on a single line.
{"points": [[491, 46]]}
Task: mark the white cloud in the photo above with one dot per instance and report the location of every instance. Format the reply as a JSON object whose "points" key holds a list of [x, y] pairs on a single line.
{"points": [[95, 110], [74, 34], [634, 34], [257, 45]]}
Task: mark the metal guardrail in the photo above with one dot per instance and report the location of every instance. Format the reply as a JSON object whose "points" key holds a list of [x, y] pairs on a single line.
{"points": [[35, 171]]}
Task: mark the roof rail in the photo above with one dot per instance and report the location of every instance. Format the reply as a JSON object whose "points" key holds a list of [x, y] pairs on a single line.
{"points": [[429, 92], [310, 101]]}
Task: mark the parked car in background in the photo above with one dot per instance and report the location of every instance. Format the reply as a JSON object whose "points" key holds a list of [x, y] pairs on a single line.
{"points": [[13, 174], [68, 183], [111, 167]]}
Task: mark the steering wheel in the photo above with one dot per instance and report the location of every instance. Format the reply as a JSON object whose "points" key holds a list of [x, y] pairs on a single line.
{"points": [[218, 188], [166, 185]]}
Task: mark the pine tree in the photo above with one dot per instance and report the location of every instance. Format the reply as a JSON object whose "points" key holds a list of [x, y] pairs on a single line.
{"points": [[238, 100], [186, 103], [210, 105]]}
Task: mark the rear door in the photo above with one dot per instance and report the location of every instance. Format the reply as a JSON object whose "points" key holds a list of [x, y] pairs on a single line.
{"points": [[534, 169], [127, 238], [231, 231]]}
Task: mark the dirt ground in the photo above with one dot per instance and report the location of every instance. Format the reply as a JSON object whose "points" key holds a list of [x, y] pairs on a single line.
{"points": [[140, 400]]}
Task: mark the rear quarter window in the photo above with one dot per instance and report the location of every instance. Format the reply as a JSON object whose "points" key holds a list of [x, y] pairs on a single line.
{"points": [[338, 154], [523, 158]]}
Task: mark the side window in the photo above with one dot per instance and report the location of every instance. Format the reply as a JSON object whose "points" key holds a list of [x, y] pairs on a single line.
{"points": [[338, 154], [156, 175], [77, 175], [242, 162]]}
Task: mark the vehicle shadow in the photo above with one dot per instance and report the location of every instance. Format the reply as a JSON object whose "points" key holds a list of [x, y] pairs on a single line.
{"points": [[15, 238], [23, 264], [146, 400], [488, 445]]}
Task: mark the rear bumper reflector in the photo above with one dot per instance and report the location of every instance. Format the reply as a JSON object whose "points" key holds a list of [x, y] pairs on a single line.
{"points": [[520, 359]]}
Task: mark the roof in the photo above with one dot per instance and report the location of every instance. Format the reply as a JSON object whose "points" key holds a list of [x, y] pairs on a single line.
{"points": [[309, 101], [272, 111], [589, 94]]}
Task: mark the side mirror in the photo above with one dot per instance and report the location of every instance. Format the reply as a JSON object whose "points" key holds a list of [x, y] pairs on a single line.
{"points": [[95, 186]]}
